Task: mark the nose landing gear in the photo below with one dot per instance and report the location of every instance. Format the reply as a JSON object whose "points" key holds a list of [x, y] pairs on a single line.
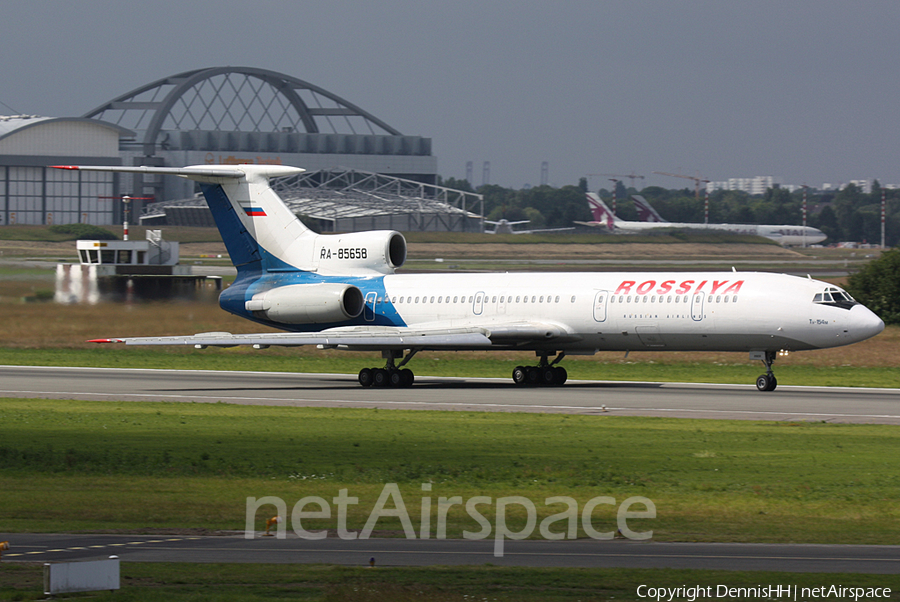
{"points": [[767, 381]]}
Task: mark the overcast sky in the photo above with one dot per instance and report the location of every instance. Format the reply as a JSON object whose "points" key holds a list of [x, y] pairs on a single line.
{"points": [[805, 90]]}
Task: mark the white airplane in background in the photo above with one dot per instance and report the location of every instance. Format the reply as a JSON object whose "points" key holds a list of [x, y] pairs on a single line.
{"points": [[785, 235], [341, 291], [505, 226]]}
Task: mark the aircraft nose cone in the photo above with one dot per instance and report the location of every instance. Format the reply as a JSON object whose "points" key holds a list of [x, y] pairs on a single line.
{"points": [[864, 322]]}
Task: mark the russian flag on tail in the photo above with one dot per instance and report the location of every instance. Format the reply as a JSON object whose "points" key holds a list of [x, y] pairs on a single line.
{"points": [[255, 211]]}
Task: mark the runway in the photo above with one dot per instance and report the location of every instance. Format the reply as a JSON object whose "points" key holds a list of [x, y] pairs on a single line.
{"points": [[584, 553], [682, 400]]}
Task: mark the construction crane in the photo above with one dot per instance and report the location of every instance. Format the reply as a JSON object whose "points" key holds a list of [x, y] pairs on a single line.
{"points": [[697, 180], [632, 176]]}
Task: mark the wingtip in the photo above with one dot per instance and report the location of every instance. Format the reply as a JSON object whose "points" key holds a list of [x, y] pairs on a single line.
{"points": [[105, 341], [73, 167]]}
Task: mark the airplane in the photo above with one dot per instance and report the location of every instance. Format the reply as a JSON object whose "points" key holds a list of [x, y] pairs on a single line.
{"points": [[505, 226], [785, 235], [341, 291]]}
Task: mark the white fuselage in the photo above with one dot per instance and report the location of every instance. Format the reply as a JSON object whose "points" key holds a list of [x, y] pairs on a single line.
{"points": [[713, 311], [784, 234]]}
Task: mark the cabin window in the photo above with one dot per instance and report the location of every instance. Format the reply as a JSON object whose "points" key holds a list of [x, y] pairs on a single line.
{"points": [[734, 299], [533, 297], [718, 298], [669, 299], [542, 298], [525, 299], [573, 298], [439, 299], [456, 299], [494, 299], [726, 298], [557, 299], [612, 299], [629, 298], [653, 300], [417, 299]]}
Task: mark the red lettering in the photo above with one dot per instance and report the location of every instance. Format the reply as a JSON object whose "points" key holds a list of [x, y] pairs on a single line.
{"points": [[624, 288], [684, 287], [701, 286], [717, 285], [645, 287], [665, 287], [734, 288]]}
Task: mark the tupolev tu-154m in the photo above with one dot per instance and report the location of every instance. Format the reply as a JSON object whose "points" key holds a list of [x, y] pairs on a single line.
{"points": [[341, 291]]}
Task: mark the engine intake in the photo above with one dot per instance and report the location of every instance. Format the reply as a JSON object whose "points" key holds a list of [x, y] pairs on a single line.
{"points": [[381, 251], [308, 303]]}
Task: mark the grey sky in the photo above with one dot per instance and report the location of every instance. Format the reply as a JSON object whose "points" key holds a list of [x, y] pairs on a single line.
{"points": [[803, 90]]}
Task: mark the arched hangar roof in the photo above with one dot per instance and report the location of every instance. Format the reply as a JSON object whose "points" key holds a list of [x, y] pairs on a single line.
{"points": [[242, 99]]}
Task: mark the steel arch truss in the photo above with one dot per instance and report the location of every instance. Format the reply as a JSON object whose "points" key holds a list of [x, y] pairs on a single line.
{"points": [[340, 194], [241, 99]]}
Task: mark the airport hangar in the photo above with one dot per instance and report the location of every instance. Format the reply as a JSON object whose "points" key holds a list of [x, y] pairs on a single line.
{"points": [[362, 174]]}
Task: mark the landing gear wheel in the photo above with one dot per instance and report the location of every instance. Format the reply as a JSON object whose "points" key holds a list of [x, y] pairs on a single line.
{"points": [[365, 377], [395, 378], [766, 382], [519, 375], [532, 376], [380, 377], [406, 377], [548, 375], [560, 375]]}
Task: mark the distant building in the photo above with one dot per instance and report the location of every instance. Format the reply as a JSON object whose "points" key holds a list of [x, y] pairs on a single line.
{"points": [[757, 185], [221, 115]]}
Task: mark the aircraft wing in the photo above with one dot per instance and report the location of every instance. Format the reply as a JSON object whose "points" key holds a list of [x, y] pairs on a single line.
{"points": [[368, 337]]}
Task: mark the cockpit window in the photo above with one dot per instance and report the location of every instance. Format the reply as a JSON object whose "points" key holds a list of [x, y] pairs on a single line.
{"points": [[835, 297]]}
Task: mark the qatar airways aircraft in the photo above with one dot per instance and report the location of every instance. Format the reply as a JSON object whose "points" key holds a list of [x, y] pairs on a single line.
{"points": [[341, 291], [785, 235]]}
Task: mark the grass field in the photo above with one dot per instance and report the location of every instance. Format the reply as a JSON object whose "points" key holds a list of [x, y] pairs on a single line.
{"points": [[87, 466], [151, 582]]}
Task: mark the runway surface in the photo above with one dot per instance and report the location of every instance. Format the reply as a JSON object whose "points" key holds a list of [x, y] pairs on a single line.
{"points": [[402, 552], [683, 400]]}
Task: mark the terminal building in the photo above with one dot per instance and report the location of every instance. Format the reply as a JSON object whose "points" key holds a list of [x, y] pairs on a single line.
{"points": [[361, 171]]}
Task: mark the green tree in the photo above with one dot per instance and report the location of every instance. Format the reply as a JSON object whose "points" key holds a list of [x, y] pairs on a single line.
{"points": [[877, 286]]}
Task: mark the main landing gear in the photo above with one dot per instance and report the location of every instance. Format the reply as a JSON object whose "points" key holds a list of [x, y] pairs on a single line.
{"points": [[544, 374], [767, 381], [391, 375]]}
